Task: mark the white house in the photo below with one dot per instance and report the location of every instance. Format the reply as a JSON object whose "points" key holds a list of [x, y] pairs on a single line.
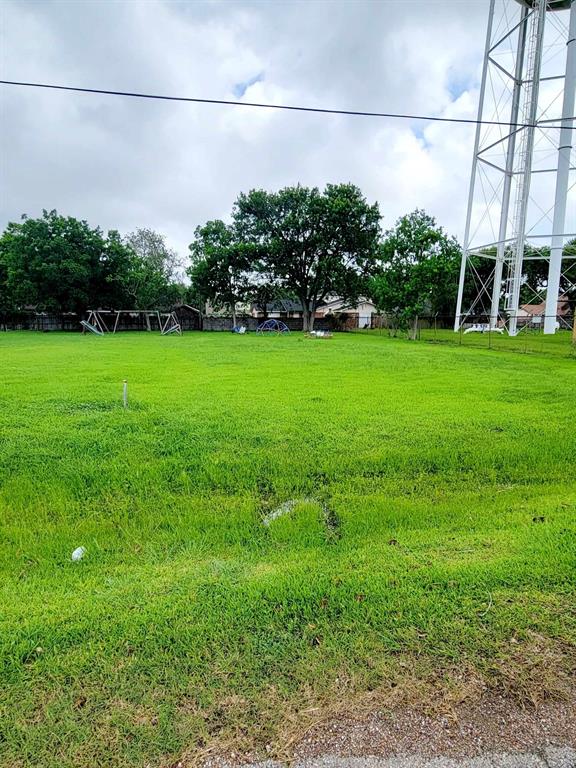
{"points": [[282, 308], [364, 310]]}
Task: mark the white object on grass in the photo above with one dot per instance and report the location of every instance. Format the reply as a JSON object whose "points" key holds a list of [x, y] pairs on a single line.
{"points": [[285, 508], [78, 554], [482, 328], [330, 521]]}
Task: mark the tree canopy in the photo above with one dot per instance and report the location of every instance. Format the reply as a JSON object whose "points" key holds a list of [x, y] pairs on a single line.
{"points": [[62, 264], [418, 269], [312, 244], [298, 243], [152, 279], [220, 267], [59, 263]]}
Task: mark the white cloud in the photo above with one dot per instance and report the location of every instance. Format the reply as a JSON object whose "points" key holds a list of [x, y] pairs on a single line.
{"points": [[125, 163]]}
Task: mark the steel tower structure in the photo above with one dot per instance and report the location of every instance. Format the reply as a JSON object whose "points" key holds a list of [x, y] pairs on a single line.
{"points": [[522, 197]]}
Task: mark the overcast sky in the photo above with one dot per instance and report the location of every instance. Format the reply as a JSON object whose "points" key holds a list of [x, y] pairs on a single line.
{"points": [[126, 163]]}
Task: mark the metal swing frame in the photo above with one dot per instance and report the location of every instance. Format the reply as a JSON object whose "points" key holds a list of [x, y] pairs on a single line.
{"points": [[96, 321]]}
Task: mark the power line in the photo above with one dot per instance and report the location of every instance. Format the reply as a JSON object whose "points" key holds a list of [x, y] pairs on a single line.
{"points": [[395, 115]]}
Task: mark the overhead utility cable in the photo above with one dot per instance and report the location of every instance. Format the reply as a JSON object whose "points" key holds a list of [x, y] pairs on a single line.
{"points": [[394, 115]]}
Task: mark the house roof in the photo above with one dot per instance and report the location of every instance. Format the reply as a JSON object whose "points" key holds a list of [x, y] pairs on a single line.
{"points": [[290, 305], [563, 307], [287, 305], [284, 305], [341, 304]]}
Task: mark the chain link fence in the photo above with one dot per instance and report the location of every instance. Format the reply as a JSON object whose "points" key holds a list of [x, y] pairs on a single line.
{"points": [[433, 329], [478, 333]]}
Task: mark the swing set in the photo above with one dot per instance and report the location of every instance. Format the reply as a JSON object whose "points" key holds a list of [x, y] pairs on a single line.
{"points": [[101, 321]]}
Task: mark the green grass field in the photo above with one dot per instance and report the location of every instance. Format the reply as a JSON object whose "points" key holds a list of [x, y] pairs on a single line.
{"points": [[432, 538], [528, 341]]}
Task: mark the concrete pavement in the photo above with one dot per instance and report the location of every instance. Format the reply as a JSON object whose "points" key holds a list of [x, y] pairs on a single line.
{"points": [[550, 757]]}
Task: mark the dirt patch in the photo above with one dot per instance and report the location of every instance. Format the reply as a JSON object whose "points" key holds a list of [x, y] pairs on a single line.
{"points": [[492, 724], [515, 708], [521, 700]]}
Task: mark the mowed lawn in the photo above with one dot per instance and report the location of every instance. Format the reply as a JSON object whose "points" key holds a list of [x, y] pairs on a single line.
{"points": [[431, 535]]}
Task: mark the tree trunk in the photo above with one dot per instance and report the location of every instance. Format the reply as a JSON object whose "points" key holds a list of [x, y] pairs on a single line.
{"points": [[307, 319], [234, 316], [305, 316], [414, 333]]}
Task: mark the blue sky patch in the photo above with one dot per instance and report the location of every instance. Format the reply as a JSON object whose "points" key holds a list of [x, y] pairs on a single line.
{"points": [[458, 83], [420, 135], [239, 89]]}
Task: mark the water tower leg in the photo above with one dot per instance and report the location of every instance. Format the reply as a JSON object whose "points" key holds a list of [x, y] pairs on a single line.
{"points": [[509, 175], [535, 39], [464, 262], [562, 178]]}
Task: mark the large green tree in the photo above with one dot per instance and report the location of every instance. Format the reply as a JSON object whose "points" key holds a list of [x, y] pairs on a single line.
{"points": [[5, 303], [154, 278], [60, 263], [221, 266], [418, 270], [312, 244]]}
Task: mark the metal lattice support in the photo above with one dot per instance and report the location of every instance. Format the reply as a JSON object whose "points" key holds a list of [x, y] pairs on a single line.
{"points": [[523, 168], [529, 82]]}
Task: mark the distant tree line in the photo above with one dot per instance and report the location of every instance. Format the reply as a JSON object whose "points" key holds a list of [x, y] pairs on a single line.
{"points": [[311, 245], [60, 264], [298, 243]]}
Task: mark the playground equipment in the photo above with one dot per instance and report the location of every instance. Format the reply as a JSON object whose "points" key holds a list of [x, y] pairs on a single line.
{"points": [[101, 321], [273, 326], [89, 327]]}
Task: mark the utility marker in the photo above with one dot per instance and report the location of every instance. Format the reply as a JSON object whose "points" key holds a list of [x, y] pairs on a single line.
{"points": [[125, 393]]}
